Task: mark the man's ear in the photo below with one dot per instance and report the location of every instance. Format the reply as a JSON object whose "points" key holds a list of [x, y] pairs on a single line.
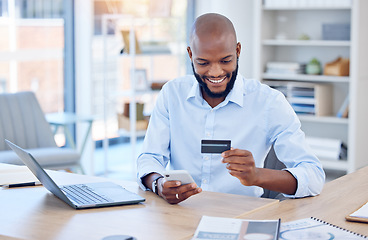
{"points": [[238, 49], [189, 52]]}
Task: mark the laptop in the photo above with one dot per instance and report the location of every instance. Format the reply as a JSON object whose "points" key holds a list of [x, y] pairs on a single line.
{"points": [[79, 196]]}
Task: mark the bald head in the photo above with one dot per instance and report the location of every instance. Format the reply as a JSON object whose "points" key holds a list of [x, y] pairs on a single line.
{"points": [[212, 26], [214, 53]]}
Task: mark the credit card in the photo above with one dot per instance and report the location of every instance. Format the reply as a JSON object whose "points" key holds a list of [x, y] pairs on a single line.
{"points": [[215, 146]]}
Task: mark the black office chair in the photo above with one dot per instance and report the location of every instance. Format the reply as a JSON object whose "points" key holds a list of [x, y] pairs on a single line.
{"points": [[272, 162]]}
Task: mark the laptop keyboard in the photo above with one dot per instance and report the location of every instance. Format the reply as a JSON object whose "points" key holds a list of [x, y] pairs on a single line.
{"points": [[82, 194]]}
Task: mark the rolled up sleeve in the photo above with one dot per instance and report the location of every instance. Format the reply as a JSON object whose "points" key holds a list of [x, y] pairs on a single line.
{"points": [[291, 149]]}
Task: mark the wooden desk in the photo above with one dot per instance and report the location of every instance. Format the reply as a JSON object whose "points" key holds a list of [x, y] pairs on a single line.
{"points": [[34, 213], [338, 199]]}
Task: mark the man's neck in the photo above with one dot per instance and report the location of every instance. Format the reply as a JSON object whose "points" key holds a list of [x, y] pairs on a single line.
{"points": [[213, 102]]}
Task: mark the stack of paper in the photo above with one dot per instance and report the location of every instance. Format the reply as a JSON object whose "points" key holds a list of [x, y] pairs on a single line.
{"points": [[327, 148], [13, 174], [284, 68]]}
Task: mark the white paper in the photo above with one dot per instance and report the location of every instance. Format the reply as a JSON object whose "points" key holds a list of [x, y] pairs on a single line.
{"points": [[361, 212]]}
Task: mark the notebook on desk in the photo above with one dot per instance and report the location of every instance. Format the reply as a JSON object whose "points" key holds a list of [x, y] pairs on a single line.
{"points": [[79, 196]]}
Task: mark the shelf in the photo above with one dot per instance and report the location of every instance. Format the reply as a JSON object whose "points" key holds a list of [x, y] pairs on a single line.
{"points": [[306, 8], [305, 77], [307, 43], [329, 119], [295, 18]]}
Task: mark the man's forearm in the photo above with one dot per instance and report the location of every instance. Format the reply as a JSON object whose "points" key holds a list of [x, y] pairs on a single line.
{"points": [[277, 180]]}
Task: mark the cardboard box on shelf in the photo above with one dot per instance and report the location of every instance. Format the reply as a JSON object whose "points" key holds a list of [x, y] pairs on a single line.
{"points": [[338, 67], [124, 122], [139, 110]]}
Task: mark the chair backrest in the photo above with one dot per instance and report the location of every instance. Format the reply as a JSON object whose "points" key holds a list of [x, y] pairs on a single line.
{"points": [[23, 122], [272, 162]]}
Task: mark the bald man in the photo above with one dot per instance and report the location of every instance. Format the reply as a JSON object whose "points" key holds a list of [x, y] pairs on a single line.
{"points": [[218, 103]]}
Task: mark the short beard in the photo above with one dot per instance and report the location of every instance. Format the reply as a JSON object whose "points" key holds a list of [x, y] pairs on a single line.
{"points": [[211, 94]]}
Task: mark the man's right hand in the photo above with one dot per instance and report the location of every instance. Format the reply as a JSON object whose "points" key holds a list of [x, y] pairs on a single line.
{"points": [[173, 192]]}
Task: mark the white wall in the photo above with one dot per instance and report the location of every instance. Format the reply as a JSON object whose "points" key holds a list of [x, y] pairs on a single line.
{"points": [[240, 12]]}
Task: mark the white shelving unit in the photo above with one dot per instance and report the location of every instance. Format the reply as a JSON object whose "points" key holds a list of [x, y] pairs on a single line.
{"points": [[130, 64], [295, 20]]}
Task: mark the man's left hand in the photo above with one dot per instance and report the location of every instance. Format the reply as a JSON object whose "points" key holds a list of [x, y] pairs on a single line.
{"points": [[240, 164]]}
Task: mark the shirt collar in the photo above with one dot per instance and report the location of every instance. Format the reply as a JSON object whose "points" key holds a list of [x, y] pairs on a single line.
{"points": [[235, 95], [195, 91]]}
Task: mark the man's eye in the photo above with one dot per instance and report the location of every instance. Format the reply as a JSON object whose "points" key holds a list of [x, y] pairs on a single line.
{"points": [[226, 61], [202, 63]]}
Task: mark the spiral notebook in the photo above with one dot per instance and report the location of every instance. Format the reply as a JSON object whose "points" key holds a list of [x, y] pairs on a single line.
{"points": [[314, 228]]}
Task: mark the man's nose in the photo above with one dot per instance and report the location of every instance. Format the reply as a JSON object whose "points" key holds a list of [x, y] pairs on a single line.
{"points": [[215, 70]]}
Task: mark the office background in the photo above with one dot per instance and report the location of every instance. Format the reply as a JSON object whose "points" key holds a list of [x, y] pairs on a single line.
{"points": [[72, 54]]}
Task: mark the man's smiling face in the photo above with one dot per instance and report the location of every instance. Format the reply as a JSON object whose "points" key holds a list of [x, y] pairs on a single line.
{"points": [[229, 85], [215, 64]]}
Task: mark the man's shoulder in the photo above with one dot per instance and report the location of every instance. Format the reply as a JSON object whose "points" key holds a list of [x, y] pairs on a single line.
{"points": [[253, 85]]}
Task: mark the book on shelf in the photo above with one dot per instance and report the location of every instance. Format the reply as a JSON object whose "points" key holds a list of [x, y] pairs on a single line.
{"points": [[306, 98], [314, 228], [304, 108], [126, 39], [327, 148], [284, 68], [343, 111], [360, 215], [306, 3], [232, 228]]}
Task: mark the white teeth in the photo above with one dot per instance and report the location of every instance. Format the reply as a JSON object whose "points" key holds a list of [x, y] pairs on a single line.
{"points": [[216, 81]]}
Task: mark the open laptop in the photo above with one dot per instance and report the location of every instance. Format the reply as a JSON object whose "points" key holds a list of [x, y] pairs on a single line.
{"points": [[79, 196]]}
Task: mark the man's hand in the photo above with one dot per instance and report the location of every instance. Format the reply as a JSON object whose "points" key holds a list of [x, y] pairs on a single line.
{"points": [[240, 164], [173, 192]]}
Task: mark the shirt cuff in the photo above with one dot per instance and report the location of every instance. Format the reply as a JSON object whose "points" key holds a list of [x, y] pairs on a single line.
{"points": [[143, 173], [301, 189]]}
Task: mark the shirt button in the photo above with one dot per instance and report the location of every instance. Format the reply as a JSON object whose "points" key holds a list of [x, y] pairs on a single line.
{"points": [[208, 134], [206, 158], [211, 110], [204, 181]]}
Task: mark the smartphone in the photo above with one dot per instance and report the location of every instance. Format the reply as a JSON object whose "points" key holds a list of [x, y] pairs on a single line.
{"points": [[178, 175]]}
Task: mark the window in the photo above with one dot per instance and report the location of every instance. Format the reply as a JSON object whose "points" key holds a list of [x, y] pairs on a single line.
{"points": [[31, 50], [161, 30]]}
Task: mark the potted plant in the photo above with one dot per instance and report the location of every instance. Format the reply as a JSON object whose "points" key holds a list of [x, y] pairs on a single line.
{"points": [[313, 67]]}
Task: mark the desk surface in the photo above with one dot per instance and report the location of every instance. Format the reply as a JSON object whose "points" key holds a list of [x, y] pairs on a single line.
{"points": [[34, 213], [339, 198]]}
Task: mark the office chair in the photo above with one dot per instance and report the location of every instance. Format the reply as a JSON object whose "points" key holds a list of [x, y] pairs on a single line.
{"points": [[272, 162], [23, 122]]}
